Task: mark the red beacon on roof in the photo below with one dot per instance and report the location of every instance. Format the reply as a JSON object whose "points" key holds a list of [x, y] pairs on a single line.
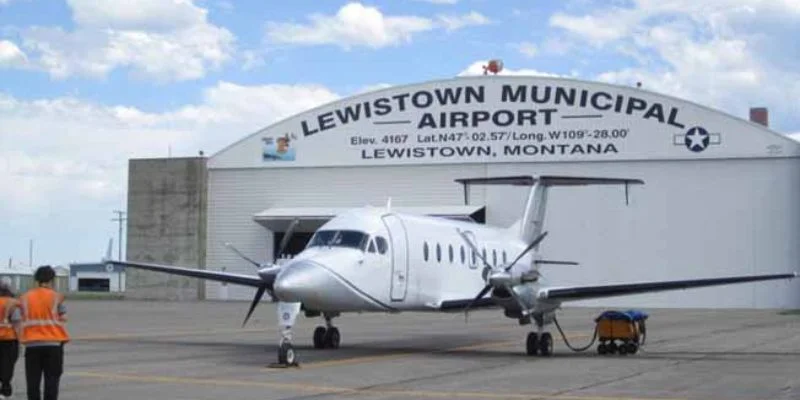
{"points": [[494, 67]]}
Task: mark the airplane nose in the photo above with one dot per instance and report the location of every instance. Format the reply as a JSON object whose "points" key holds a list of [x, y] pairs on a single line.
{"points": [[299, 281]]}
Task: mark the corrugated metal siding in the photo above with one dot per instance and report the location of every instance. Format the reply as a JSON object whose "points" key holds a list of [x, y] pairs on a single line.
{"points": [[236, 195], [691, 219]]}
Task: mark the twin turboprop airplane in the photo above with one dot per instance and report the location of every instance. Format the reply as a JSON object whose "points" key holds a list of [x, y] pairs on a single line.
{"points": [[377, 260]]}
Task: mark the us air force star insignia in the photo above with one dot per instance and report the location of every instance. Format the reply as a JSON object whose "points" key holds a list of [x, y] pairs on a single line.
{"points": [[697, 139]]}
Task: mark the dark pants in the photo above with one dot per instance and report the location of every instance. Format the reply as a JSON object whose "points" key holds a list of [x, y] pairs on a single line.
{"points": [[9, 352], [47, 361]]}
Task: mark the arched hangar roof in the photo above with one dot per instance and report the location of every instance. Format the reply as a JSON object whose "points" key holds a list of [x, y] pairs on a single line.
{"points": [[487, 119]]}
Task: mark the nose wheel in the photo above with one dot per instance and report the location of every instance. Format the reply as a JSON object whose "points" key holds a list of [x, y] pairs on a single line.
{"points": [[539, 344]]}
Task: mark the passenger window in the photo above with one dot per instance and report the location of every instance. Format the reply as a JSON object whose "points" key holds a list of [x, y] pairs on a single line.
{"points": [[450, 252], [425, 251], [462, 255], [371, 247], [383, 245], [438, 253]]}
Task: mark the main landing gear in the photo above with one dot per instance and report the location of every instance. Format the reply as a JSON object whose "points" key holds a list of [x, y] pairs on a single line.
{"points": [[327, 337], [540, 343]]}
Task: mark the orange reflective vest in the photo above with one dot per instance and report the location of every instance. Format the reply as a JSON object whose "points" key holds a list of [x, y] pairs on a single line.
{"points": [[7, 307], [40, 319]]}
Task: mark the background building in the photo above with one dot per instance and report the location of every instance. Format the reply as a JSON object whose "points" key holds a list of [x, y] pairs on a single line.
{"points": [[96, 277], [720, 197]]}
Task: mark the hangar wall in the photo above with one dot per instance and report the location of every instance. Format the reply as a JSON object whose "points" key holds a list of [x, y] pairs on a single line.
{"points": [[166, 224]]}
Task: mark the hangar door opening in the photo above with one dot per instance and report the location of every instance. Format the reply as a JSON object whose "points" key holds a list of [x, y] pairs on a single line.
{"points": [[94, 285]]}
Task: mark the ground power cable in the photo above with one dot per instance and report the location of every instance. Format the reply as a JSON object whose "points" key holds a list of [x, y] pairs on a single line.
{"points": [[563, 336]]}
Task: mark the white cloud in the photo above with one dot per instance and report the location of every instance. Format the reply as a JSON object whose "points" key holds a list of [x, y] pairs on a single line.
{"points": [[162, 40], [728, 54], [11, 55], [65, 159], [455, 22], [477, 67], [355, 24], [527, 49]]}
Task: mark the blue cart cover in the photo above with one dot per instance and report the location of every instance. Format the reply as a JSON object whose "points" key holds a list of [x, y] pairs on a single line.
{"points": [[630, 315]]}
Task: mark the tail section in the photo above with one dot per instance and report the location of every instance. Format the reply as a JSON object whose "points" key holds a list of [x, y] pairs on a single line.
{"points": [[531, 225]]}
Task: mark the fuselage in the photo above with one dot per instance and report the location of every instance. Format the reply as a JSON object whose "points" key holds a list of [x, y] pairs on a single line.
{"points": [[372, 260]]}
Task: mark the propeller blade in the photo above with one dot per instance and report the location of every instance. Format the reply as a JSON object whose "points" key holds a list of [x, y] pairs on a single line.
{"points": [[256, 299], [522, 305], [530, 246], [474, 249], [286, 236], [240, 254], [478, 297]]}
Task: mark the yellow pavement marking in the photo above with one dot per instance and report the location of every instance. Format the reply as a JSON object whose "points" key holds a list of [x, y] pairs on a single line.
{"points": [[335, 389]]}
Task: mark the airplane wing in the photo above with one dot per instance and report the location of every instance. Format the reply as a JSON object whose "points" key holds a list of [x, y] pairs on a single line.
{"points": [[238, 279], [591, 292]]}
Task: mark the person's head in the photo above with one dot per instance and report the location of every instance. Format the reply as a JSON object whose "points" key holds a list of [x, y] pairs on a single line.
{"points": [[283, 144], [44, 275]]}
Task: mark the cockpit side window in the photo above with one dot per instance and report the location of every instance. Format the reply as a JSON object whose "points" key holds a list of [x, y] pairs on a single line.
{"points": [[371, 246], [383, 245]]}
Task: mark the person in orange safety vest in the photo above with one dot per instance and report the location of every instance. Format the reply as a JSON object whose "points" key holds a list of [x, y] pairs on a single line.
{"points": [[43, 334], [9, 343]]}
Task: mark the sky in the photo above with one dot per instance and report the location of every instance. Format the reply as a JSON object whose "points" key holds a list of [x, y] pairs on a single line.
{"points": [[87, 85]]}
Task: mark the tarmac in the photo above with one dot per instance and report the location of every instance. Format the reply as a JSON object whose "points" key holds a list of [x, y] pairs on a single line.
{"points": [[126, 350]]}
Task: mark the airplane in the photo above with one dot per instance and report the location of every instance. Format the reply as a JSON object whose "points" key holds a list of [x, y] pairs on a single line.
{"points": [[373, 259]]}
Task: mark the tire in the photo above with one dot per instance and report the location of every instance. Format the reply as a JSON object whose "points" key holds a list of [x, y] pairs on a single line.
{"points": [[532, 344], [286, 355], [546, 344], [332, 338], [633, 348], [623, 349], [612, 347], [602, 349], [319, 337]]}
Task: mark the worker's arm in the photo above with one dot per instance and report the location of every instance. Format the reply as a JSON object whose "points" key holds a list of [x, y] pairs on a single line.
{"points": [[16, 320], [62, 311]]}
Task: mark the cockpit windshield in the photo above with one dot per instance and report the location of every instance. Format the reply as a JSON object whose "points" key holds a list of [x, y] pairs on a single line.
{"points": [[352, 239]]}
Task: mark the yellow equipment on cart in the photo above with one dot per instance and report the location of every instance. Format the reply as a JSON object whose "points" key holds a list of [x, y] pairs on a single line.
{"points": [[621, 332]]}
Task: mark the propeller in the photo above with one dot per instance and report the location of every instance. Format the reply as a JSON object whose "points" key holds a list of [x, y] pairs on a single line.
{"points": [[498, 277], [263, 288]]}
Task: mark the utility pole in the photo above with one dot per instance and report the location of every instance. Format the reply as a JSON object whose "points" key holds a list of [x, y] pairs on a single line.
{"points": [[119, 219]]}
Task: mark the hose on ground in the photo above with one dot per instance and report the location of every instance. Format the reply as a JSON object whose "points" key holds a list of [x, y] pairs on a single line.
{"points": [[563, 336]]}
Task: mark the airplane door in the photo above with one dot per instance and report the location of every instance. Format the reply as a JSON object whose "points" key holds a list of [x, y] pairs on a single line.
{"points": [[399, 243]]}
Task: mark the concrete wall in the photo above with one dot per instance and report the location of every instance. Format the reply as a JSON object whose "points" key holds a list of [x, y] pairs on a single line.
{"points": [[166, 224]]}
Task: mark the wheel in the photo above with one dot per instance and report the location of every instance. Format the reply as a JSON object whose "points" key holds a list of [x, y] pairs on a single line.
{"points": [[633, 348], [601, 349], [623, 349], [546, 344], [532, 344], [332, 338], [612, 347], [286, 354], [319, 337]]}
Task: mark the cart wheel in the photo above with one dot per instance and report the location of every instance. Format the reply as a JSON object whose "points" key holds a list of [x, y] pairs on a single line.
{"points": [[612, 347], [623, 349], [601, 349], [633, 348]]}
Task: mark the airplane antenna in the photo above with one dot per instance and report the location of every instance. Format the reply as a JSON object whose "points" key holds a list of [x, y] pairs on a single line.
{"points": [[389, 204], [626, 193]]}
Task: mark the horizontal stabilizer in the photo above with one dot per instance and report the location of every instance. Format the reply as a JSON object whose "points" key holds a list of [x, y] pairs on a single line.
{"points": [[548, 180], [593, 292], [556, 262]]}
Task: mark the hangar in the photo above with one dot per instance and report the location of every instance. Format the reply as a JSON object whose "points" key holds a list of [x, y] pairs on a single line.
{"points": [[720, 198]]}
